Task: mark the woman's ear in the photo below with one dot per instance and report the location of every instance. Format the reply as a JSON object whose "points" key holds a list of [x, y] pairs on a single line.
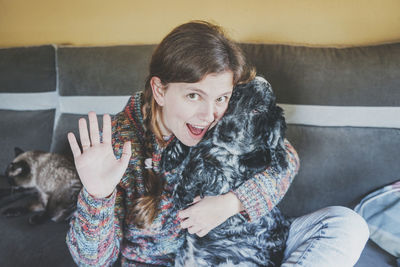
{"points": [[158, 90]]}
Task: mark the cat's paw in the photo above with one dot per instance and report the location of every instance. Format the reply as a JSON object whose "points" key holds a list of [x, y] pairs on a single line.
{"points": [[15, 211]]}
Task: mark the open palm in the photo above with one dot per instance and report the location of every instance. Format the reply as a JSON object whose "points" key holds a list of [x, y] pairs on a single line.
{"points": [[98, 169]]}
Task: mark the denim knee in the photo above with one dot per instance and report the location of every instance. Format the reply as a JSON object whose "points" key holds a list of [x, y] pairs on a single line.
{"points": [[351, 224]]}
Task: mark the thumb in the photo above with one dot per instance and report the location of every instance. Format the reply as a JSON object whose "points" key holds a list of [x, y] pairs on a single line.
{"points": [[126, 153]]}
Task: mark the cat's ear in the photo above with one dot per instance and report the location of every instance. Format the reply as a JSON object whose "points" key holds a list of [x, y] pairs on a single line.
{"points": [[18, 151]]}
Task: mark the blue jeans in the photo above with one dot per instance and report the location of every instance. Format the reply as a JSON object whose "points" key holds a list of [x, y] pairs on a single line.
{"points": [[333, 236]]}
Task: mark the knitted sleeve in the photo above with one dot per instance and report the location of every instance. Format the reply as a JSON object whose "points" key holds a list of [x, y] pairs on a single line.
{"points": [[264, 191], [93, 236], [95, 232]]}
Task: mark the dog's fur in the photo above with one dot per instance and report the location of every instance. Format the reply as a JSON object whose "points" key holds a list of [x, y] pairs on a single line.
{"points": [[53, 177], [248, 139]]}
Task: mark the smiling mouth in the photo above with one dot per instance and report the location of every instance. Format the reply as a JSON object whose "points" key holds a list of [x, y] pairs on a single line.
{"points": [[197, 131]]}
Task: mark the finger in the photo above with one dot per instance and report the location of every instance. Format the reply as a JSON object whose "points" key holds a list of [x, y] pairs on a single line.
{"points": [[196, 199], [183, 214], [83, 133], [194, 230], [106, 129], [94, 128], [126, 153], [76, 151], [186, 224]]}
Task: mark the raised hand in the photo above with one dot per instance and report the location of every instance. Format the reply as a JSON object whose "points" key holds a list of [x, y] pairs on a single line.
{"points": [[98, 169]]}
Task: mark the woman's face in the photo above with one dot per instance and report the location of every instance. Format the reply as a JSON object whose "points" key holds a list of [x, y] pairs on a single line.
{"points": [[190, 109]]}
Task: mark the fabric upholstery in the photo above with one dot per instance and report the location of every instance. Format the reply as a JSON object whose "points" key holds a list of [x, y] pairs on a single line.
{"points": [[27, 69], [338, 165], [355, 76], [116, 70], [28, 130]]}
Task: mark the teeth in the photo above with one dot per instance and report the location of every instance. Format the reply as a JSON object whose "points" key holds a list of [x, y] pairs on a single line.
{"points": [[198, 127]]}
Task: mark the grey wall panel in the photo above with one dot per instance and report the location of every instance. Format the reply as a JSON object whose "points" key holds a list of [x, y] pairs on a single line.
{"points": [[339, 165], [27, 69], [94, 71], [359, 76]]}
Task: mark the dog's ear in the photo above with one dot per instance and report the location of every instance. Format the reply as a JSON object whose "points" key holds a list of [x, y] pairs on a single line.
{"points": [[277, 127], [18, 151], [173, 155], [254, 162], [191, 180]]}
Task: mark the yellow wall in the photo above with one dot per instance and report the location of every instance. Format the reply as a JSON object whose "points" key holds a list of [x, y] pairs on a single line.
{"points": [[102, 22]]}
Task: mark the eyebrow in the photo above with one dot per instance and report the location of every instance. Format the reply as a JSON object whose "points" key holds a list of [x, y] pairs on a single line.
{"points": [[204, 93]]}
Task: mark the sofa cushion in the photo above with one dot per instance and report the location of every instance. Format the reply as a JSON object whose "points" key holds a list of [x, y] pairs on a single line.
{"points": [[27, 69], [339, 165], [374, 256], [355, 76], [33, 245], [100, 71], [28, 130]]}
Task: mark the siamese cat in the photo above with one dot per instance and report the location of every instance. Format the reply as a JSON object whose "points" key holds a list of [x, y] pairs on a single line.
{"points": [[55, 179]]}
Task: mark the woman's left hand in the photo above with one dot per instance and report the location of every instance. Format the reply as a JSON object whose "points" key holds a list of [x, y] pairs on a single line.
{"points": [[207, 213]]}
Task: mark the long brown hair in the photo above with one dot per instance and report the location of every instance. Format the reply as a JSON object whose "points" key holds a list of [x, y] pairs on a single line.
{"points": [[187, 54]]}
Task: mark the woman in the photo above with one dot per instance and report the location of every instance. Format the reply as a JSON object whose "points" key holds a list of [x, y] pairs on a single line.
{"points": [[125, 209]]}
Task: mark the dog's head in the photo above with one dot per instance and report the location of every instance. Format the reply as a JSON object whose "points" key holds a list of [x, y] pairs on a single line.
{"points": [[252, 121], [18, 172]]}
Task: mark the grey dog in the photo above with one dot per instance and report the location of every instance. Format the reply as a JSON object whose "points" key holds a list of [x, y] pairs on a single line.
{"points": [[248, 139]]}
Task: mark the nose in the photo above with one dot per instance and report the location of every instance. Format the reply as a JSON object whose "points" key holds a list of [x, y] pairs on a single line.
{"points": [[208, 112]]}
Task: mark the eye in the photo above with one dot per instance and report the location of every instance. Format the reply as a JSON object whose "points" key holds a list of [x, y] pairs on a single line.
{"points": [[193, 96], [226, 138], [222, 99]]}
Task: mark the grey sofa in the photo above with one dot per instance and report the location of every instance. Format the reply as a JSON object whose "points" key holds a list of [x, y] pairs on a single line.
{"points": [[341, 105]]}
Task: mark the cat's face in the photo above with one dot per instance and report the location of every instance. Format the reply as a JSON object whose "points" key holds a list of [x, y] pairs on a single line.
{"points": [[18, 172]]}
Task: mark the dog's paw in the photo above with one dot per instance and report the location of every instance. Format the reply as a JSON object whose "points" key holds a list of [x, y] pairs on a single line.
{"points": [[14, 212]]}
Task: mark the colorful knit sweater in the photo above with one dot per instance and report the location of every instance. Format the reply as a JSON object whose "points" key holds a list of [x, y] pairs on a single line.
{"points": [[100, 233]]}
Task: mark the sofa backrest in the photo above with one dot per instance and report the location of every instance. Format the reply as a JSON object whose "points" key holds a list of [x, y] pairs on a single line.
{"points": [[341, 105], [28, 81]]}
